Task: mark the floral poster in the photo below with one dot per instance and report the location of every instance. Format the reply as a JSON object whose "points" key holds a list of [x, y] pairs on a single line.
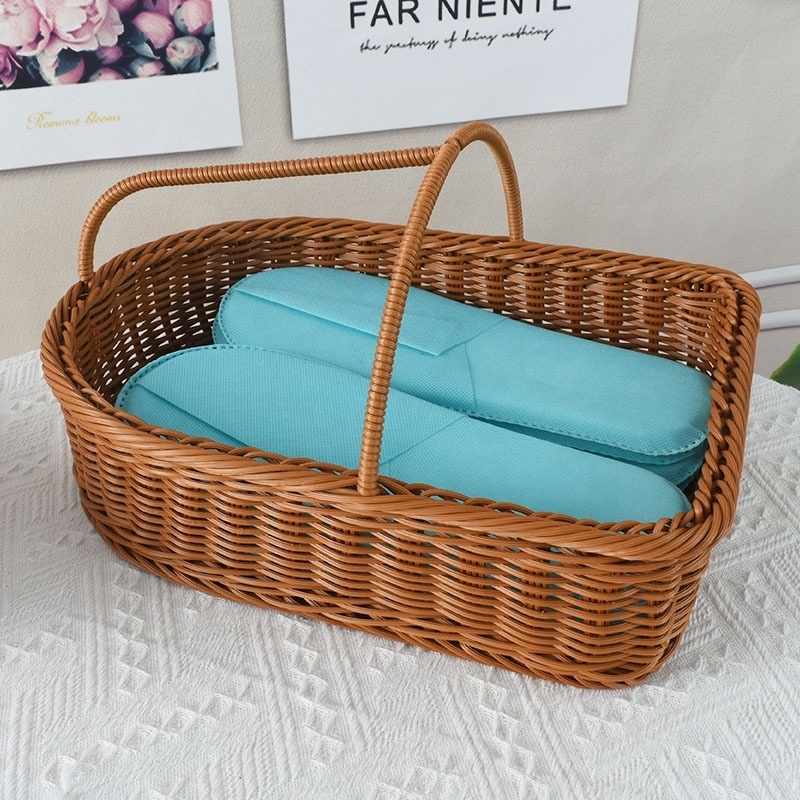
{"points": [[85, 79], [366, 65]]}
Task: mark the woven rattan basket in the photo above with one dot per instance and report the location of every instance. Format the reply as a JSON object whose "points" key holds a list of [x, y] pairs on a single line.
{"points": [[568, 600]]}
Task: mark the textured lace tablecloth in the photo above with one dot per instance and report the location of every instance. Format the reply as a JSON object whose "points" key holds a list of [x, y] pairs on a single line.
{"points": [[117, 684]]}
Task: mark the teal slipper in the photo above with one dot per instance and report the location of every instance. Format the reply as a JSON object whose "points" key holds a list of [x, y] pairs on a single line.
{"points": [[298, 407], [619, 403]]}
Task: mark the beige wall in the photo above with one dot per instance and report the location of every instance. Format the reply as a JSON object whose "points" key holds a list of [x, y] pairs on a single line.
{"points": [[702, 165]]}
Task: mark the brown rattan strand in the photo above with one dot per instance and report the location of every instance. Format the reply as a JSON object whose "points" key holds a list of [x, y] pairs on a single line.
{"points": [[598, 605]]}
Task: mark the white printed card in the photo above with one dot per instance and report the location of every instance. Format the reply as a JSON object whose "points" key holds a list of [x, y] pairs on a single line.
{"points": [[366, 65], [90, 79]]}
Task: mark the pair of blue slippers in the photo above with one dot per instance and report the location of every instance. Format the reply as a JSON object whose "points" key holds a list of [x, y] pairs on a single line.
{"points": [[480, 404]]}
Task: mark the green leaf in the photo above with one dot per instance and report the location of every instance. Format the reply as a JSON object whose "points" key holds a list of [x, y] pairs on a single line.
{"points": [[67, 61], [32, 68], [211, 60], [192, 65], [788, 373], [140, 44]]}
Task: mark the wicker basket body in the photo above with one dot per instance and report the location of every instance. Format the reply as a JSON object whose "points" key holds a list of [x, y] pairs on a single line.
{"points": [[568, 600]]}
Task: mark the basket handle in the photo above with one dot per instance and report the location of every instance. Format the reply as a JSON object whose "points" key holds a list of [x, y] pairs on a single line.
{"points": [[407, 259], [188, 176]]}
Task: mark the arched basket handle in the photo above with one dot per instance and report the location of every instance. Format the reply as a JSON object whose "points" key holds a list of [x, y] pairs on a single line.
{"points": [[405, 264]]}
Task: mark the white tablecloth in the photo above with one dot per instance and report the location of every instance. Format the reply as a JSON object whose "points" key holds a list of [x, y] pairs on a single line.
{"points": [[117, 684]]}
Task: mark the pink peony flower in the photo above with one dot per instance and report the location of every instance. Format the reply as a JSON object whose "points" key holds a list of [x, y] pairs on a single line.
{"points": [[53, 70], [195, 17], [124, 6], [181, 52], [8, 67], [146, 67], [106, 74], [82, 24], [24, 28], [156, 27]]}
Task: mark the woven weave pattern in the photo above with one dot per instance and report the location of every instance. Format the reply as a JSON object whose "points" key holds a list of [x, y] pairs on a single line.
{"points": [[554, 597]]}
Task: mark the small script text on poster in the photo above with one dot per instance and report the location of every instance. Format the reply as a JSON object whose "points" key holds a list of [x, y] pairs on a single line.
{"points": [[391, 12]]}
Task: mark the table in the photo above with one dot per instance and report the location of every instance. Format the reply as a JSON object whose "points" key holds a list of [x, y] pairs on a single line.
{"points": [[117, 684]]}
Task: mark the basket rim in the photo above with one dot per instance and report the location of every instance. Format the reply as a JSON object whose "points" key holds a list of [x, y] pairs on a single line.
{"points": [[613, 261]]}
